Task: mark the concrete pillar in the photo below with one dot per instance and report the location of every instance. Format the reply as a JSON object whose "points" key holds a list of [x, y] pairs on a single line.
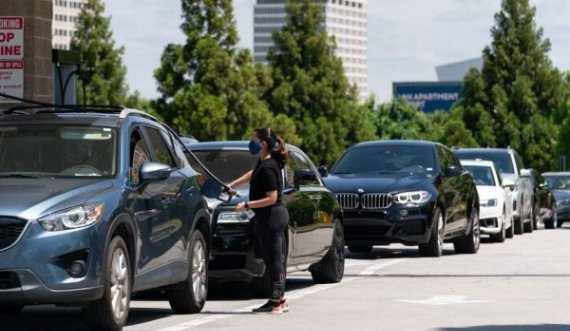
{"points": [[37, 14]]}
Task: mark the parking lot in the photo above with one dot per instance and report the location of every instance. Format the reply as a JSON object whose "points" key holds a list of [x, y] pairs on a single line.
{"points": [[522, 284]]}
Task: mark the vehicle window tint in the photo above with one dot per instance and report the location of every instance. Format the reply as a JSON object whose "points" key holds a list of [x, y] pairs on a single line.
{"points": [[451, 159], [290, 172], [443, 158], [225, 164], [303, 163], [381, 159], [501, 159], [58, 151], [175, 147], [482, 175], [161, 152], [139, 155], [558, 182]]}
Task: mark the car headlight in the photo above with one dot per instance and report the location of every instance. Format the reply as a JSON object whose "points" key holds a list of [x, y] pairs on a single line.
{"points": [[72, 218], [415, 197], [488, 203], [233, 217]]}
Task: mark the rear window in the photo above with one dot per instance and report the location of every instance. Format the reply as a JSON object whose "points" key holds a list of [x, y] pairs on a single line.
{"points": [[502, 160], [482, 175]]}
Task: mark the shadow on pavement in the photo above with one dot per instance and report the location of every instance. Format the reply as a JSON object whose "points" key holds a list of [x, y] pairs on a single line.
{"points": [[391, 253], [461, 276], [45, 318], [537, 327]]}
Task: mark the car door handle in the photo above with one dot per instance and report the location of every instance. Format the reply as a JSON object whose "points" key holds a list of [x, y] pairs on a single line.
{"points": [[315, 197]]}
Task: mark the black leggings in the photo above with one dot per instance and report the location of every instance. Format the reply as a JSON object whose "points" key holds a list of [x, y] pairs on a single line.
{"points": [[270, 224]]}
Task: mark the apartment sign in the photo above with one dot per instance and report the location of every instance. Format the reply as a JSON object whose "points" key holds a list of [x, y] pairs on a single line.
{"points": [[11, 57]]}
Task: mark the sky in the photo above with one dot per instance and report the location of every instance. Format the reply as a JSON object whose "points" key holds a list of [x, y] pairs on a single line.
{"points": [[407, 38]]}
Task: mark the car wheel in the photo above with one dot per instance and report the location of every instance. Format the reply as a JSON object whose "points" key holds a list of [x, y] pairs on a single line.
{"points": [[559, 222], [528, 227], [434, 247], [519, 226], [510, 232], [535, 212], [553, 220], [331, 268], [112, 310], [470, 242], [360, 249], [500, 237], [262, 287], [190, 296], [11, 309]]}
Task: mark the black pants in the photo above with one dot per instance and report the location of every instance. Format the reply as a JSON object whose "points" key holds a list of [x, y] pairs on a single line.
{"points": [[270, 224]]}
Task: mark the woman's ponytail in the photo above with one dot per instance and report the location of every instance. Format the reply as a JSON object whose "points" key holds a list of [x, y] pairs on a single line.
{"points": [[281, 152]]}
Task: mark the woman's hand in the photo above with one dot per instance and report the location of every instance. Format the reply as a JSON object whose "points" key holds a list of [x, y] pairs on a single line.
{"points": [[240, 207]]}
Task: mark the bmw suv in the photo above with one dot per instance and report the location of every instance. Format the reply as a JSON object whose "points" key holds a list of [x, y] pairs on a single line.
{"points": [[410, 192], [96, 204]]}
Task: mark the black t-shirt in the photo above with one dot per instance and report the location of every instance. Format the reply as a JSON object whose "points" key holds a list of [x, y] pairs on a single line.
{"points": [[266, 177]]}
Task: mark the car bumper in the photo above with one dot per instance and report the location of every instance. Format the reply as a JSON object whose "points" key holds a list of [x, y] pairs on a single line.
{"points": [[35, 268], [233, 253], [382, 227], [489, 219]]}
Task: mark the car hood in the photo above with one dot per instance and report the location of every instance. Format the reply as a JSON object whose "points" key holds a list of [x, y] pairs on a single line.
{"points": [[489, 192], [381, 183], [229, 201], [32, 198]]}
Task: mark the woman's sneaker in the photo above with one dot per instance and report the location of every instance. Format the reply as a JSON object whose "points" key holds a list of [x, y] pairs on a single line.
{"points": [[284, 305], [272, 307]]}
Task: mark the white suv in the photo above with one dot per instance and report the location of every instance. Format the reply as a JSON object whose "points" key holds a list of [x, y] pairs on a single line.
{"points": [[511, 167]]}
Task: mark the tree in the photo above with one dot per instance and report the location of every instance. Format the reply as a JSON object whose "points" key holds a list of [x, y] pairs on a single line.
{"points": [[104, 74], [309, 86], [518, 97], [208, 87], [401, 120]]}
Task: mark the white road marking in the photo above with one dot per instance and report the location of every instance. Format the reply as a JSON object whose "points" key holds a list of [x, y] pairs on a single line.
{"points": [[440, 300], [291, 296]]}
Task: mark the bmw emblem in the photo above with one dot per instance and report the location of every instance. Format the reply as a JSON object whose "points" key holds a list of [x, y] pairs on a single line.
{"points": [[360, 191]]}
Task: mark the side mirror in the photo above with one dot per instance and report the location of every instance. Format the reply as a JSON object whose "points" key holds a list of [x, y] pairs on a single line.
{"points": [[452, 171], [152, 171], [525, 173], [508, 183], [323, 170], [303, 177]]}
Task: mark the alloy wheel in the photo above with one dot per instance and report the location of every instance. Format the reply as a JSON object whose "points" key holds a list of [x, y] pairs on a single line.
{"points": [[199, 271], [119, 283]]}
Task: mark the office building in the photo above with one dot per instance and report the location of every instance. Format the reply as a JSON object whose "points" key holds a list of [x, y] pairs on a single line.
{"points": [[345, 20], [65, 17]]}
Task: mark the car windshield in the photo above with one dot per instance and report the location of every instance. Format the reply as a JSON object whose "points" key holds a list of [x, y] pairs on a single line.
{"points": [[57, 151], [386, 159], [558, 182], [502, 160], [225, 164], [483, 175]]}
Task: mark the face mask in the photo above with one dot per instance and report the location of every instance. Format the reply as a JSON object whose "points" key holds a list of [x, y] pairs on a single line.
{"points": [[254, 147]]}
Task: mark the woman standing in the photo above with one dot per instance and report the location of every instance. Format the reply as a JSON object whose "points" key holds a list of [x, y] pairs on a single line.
{"points": [[271, 217]]}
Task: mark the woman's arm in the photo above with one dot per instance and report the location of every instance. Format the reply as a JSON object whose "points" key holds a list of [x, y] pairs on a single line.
{"points": [[242, 180], [269, 200]]}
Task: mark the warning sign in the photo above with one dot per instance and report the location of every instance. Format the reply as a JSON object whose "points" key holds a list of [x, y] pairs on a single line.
{"points": [[11, 57]]}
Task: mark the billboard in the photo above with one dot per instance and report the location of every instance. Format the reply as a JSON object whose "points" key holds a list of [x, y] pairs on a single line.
{"points": [[429, 96]]}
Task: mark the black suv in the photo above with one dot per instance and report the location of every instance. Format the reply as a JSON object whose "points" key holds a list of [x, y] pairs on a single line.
{"points": [[411, 192], [96, 204], [314, 236]]}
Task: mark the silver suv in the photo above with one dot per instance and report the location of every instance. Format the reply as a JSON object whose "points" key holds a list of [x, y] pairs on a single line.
{"points": [[511, 167]]}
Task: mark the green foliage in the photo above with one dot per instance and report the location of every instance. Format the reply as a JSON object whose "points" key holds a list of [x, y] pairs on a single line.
{"points": [[518, 98], [309, 86], [208, 87], [104, 78]]}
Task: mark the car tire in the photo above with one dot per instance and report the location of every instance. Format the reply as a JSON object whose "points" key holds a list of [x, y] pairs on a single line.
{"points": [[559, 223], [262, 287], [528, 226], [519, 226], [434, 247], [190, 296], [108, 313], [331, 268], [470, 242], [551, 222], [11, 309], [360, 249], [510, 232], [535, 212], [500, 237]]}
